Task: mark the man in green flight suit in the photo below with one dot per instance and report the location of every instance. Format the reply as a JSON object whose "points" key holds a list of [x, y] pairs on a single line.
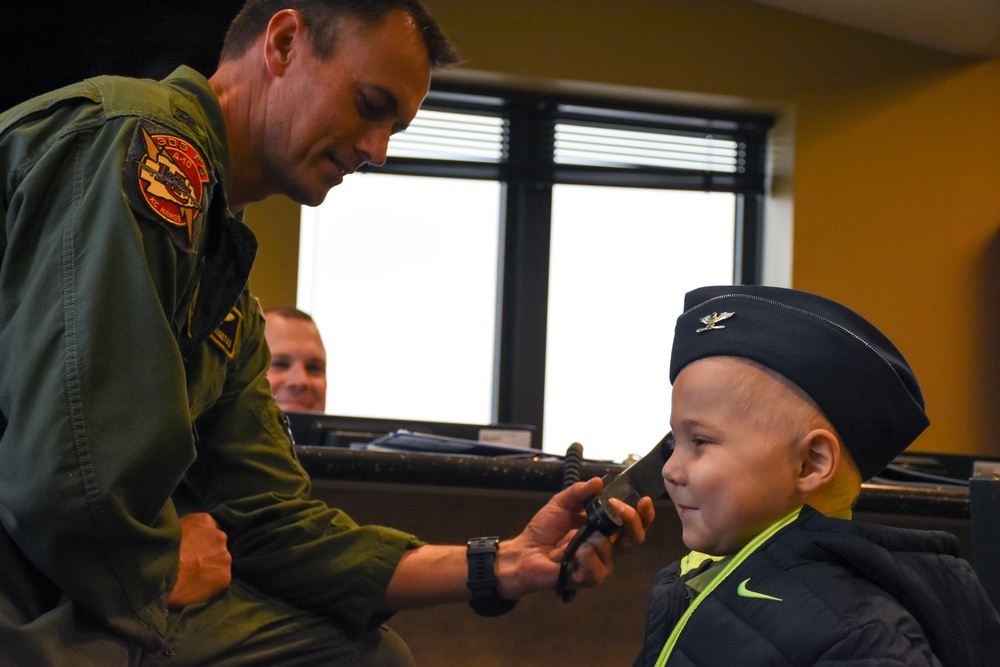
{"points": [[141, 448]]}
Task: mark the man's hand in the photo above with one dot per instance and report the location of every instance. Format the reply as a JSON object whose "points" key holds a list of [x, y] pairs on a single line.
{"points": [[204, 563], [433, 574], [533, 557]]}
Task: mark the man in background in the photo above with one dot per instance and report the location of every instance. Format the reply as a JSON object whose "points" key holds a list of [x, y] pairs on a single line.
{"points": [[298, 360]]}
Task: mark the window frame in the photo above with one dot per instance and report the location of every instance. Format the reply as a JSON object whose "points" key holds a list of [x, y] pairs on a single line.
{"points": [[527, 172]]}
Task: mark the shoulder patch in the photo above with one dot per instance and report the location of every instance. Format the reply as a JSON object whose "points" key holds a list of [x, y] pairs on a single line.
{"points": [[228, 333], [167, 175]]}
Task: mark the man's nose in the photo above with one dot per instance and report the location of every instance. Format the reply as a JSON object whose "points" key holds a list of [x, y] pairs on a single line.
{"points": [[296, 374], [373, 146]]}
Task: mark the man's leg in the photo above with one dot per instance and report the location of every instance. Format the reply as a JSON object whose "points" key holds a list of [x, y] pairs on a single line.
{"points": [[38, 626], [242, 627]]}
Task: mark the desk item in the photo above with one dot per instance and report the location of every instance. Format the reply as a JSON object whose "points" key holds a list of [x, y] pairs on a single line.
{"points": [[404, 440]]}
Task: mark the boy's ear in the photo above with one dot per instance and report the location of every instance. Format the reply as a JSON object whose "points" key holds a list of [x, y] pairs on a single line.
{"points": [[820, 457]]}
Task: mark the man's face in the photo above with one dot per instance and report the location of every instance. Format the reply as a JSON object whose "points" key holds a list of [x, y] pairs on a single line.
{"points": [[298, 364], [730, 475], [327, 118]]}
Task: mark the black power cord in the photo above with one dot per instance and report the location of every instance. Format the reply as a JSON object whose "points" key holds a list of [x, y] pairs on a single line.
{"points": [[572, 463], [571, 475]]}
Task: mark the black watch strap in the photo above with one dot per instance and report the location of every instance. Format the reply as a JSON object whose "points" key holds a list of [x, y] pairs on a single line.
{"points": [[481, 552]]}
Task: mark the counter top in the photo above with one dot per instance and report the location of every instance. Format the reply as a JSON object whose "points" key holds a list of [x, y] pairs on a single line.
{"points": [[545, 473]]}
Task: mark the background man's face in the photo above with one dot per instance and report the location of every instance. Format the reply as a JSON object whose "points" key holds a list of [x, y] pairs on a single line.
{"points": [[298, 364]]}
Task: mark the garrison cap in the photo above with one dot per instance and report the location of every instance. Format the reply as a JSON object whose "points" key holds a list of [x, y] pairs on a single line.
{"points": [[856, 376]]}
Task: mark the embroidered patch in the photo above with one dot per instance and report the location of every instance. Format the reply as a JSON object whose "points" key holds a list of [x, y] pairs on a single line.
{"points": [[228, 333], [170, 176]]}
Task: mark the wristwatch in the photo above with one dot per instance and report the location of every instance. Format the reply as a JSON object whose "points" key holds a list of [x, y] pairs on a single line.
{"points": [[481, 553]]}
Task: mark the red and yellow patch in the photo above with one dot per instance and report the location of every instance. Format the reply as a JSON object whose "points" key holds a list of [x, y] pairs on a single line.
{"points": [[171, 178]]}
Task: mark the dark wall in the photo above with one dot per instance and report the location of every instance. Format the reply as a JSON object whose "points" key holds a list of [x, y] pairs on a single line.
{"points": [[45, 44]]}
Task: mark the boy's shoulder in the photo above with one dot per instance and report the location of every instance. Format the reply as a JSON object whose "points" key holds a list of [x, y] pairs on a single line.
{"points": [[855, 587], [845, 540]]}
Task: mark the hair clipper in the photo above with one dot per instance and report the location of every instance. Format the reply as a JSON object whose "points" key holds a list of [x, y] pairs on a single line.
{"points": [[642, 478]]}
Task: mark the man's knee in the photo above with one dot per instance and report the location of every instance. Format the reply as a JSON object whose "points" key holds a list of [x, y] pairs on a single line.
{"points": [[388, 650]]}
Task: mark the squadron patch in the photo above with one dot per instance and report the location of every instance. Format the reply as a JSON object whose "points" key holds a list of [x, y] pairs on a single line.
{"points": [[169, 175], [228, 333]]}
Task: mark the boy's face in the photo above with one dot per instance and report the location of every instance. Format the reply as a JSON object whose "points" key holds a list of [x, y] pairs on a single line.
{"points": [[734, 470]]}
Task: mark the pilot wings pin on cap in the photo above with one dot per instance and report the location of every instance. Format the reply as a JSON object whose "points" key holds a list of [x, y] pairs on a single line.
{"points": [[856, 376]]}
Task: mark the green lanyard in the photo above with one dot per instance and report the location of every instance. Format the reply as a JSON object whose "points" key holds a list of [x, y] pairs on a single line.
{"points": [[741, 556]]}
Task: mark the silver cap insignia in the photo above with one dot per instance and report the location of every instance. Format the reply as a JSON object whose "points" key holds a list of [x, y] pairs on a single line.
{"points": [[712, 321]]}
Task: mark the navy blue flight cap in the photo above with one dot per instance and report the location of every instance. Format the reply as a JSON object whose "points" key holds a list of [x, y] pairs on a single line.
{"points": [[856, 376]]}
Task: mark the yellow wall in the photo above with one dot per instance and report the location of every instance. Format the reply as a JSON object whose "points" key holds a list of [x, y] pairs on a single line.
{"points": [[895, 151], [274, 278]]}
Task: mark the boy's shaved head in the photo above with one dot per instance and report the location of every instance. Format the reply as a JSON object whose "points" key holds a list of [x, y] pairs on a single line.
{"points": [[779, 406]]}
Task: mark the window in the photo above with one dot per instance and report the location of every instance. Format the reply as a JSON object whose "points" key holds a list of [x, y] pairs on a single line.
{"points": [[403, 289], [522, 258]]}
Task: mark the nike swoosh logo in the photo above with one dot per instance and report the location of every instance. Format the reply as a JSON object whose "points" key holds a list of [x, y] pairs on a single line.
{"points": [[745, 592]]}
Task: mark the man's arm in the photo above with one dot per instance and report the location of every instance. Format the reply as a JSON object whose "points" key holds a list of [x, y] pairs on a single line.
{"points": [[434, 574]]}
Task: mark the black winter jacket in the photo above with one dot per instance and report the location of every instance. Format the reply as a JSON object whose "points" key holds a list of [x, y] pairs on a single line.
{"points": [[839, 593]]}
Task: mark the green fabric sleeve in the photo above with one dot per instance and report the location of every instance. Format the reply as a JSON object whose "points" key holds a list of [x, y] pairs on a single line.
{"points": [[283, 543], [97, 428]]}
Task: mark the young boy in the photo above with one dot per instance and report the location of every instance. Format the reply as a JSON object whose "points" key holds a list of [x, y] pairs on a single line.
{"points": [[783, 402]]}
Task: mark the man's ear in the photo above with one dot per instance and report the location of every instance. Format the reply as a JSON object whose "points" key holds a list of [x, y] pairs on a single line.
{"points": [[820, 456], [285, 30]]}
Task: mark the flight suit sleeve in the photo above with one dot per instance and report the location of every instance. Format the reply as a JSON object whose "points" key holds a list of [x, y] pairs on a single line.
{"points": [[92, 390], [283, 543]]}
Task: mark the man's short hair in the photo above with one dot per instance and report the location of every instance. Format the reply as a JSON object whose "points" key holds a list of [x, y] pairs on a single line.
{"points": [[288, 312], [323, 17]]}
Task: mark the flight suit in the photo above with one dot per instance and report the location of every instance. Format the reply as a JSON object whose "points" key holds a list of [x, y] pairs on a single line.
{"points": [[133, 386]]}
